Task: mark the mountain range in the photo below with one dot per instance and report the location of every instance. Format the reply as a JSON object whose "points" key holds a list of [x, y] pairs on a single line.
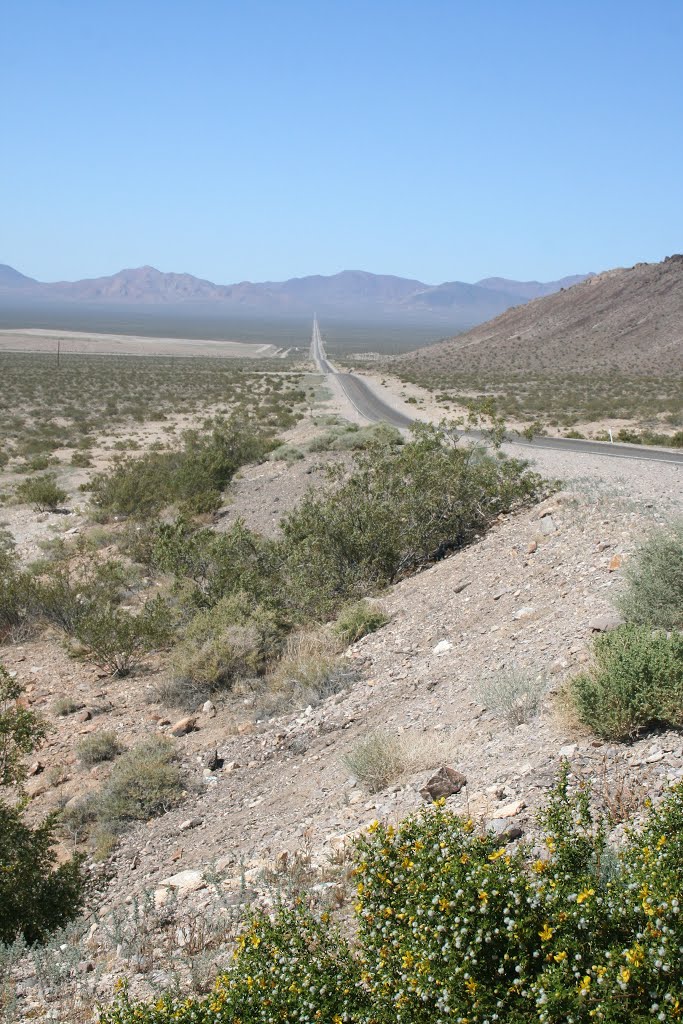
{"points": [[349, 293], [627, 321]]}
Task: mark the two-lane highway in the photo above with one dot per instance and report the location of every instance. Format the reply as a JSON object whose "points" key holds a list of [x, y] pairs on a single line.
{"points": [[372, 408], [361, 397]]}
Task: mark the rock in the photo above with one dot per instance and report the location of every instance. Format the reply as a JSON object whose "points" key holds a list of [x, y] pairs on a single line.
{"points": [[615, 563], [245, 727], [442, 647], [501, 593], [37, 768], [212, 761], [532, 547], [524, 613], [510, 810], [605, 622], [504, 831], [190, 823], [548, 526], [183, 726], [568, 751], [83, 716], [185, 881], [209, 708], [356, 797], [446, 782]]}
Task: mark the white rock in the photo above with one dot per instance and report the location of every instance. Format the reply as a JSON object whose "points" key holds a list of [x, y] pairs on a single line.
{"points": [[510, 810], [442, 647], [185, 881]]}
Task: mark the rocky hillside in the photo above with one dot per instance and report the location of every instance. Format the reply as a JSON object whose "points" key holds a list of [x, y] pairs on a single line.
{"points": [[270, 804], [624, 321]]}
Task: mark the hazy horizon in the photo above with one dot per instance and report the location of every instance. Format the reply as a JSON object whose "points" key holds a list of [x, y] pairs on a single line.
{"points": [[265, 141]]}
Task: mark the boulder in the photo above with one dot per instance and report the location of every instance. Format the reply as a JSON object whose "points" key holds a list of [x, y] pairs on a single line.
{"points": [[444, 783]]}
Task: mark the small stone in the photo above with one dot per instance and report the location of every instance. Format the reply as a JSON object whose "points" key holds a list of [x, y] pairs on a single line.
{"points": [[209, 708], [504, 831], [183, 726], [37, 768], [532, 547], [83, 716], [615, 563], [521, 614], [568, 751], [510, 810], [190, 823], [245, 727], [185, 881], [442, 647], [548, 526], [444, 783], [606, 622], [212, 761]]}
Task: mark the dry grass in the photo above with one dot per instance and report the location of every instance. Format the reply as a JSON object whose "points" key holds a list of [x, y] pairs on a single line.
{"points": [[382, 757]]}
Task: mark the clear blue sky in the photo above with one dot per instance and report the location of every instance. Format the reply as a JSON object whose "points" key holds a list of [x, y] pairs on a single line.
{"points": [[441, 139]]}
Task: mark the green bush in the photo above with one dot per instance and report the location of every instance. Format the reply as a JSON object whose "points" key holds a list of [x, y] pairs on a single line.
{"points": [[192, 477], [145, 781], [98, 747], [455, 926], [36, 896], [635, 682], [233, 639], [357, 620], [654, 590], [116, 640], [15, 595], [42, 493], [401, 509]]}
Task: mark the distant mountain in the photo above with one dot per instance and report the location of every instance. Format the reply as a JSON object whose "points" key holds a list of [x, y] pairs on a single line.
{"points": [[530, 289], [347, 294], [622, 322]]}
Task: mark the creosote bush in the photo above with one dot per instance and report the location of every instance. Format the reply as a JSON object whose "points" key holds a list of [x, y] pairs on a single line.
{"points": [[36, 895], [454, 926], [116, 640], [654, 577], [636, 681], [42, 493]]}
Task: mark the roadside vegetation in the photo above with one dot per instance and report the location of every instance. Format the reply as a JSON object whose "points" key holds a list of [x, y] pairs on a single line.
{"points": [[451, 925]]}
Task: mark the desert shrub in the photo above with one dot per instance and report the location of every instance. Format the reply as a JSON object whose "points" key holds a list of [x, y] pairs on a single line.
{"points": [[116, 640], [36, 895], [654, 581], [357, 620], [453, 925], [192, 477], [234, 638], [62, 597], [635, 682], [15, 595], [381, 757], [513, 694], [81, 460], [401, 509], [42, 493], [308, 671], [145, 781], [98, 747], [64, 706]]}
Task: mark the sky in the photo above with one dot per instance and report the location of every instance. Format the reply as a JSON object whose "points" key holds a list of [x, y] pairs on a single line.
{"points": [[258, 140]]}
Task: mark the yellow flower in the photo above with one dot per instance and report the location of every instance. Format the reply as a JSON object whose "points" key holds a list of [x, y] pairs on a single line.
{"points": [[539, 866], [373, 826], [471, 986], [559, 957], [586, 894], [483, 896], [624, 974], [443, 904], [464, 859], [635, 956], [407, 960], [661, 841], [546, 932], [497, 854], [585, 985]]}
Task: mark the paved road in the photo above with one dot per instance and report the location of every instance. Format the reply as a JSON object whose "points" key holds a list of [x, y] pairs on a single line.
{"points": [[371, 407]]}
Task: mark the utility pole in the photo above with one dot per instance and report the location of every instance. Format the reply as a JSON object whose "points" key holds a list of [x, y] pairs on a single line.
{"points": [[59, 345]]}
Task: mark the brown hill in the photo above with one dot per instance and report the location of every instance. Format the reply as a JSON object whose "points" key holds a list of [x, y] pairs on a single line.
{"points": [[624, 321]]}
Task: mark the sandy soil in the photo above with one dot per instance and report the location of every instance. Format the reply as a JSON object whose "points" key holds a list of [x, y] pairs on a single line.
{"points": [[36, 340]]}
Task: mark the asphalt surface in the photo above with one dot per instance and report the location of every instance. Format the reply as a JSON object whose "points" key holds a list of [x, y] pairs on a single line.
{"points": [[372, 408]]}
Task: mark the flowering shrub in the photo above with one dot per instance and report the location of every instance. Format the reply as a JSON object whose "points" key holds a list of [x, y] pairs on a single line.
{"points": [[454, 927]]}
